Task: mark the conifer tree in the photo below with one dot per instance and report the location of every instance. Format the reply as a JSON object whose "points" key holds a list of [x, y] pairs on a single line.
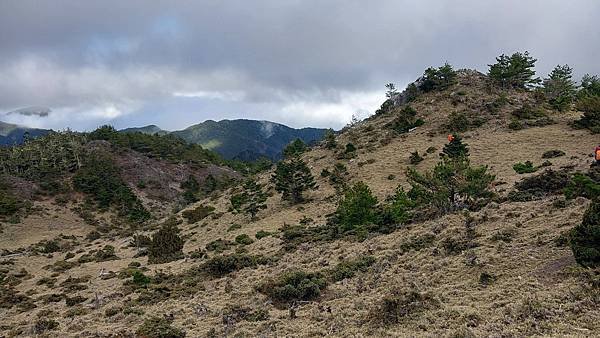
{"points": [[329, 137], [296, 148], [455, 148], [515, 71], [255, 198], [559, 87], [293, 177]]}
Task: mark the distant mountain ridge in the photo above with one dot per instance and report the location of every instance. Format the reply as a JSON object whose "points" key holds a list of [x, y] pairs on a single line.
{"points": [[14, 134], [240, 139]]}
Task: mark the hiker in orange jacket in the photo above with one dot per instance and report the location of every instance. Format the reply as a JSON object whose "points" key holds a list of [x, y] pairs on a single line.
{"points": [[597, 156]]}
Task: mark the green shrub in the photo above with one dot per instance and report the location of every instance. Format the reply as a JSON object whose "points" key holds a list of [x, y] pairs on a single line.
{"points": [[72, 301], [406, 120], [535, 187], [585, 237], [159, 327], [197, 214], [43, 324], [243, 239], [553, 153], [590, 106], [262, 234], [524, 168], [166, 245], [582, 185], [348, 268], [9, 204], [219, 266], [252, 200], [295, 286], [219, 245], [399, 304], [139, 279], [462, 122], [415, 158], [329, 138], [191, 188], [234, 226], [107, 253]]}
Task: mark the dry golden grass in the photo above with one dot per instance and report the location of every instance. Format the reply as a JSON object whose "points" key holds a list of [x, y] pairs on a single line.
{"points": [[536, 289]]}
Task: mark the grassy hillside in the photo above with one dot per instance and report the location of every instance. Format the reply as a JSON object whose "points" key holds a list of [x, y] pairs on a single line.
{"points": [[403, 233]]}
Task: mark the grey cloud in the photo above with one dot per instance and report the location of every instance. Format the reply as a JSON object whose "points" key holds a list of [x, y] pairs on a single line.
{"points": [[84, 55]]}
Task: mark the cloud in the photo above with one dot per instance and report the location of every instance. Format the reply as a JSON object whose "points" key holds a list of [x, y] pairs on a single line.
{"points": [[300, 62]]}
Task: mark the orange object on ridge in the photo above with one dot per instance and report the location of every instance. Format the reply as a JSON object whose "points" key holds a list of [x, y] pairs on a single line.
{"points": [[597, 153], [450, 137]]}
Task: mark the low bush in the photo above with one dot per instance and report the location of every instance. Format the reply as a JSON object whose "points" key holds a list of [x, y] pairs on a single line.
{"points": [[463, 121], [406, 120], [197, 214], [348, 268], [582, 185], [295, 286], [166, 245], [415, 158], [107, 253], [535, 187], [524, 168], [399, 304], [585, 237], [590, 106], [159, 327], [219, 266], [553, 153], [243, 239], [44, 324], [262, 234], [219, 245]]}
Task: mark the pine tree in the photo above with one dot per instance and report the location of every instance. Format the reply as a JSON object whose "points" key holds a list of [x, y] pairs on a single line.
{"points": [[357, 208], [515, 71], [296, 148], [437, 78], [329, 137], [391, 91], [255, 198], [455, 149], [559, 87], [292, 178], [590, 86]]}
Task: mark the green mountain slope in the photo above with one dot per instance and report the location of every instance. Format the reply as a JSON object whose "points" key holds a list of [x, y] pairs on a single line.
{"points": [[14, 134], [246, 139]]}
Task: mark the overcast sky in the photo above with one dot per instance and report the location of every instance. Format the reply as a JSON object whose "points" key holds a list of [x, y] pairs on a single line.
{"points": [[297, 62]]}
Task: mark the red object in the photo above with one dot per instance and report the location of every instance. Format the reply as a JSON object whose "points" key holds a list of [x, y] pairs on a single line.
{"points": [[450, 138], [597, 152]]}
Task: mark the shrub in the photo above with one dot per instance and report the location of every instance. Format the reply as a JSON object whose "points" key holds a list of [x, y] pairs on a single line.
{"points": [[43, 324], [590, 106], [553, 154], [292, 178], [415, 158], [295, 286], [191, 188], [219, 266], [461, 122], [582, 185], [400, 304], [139, 279], [524, 168], [243, 239], [329, 138], [262, 234], [72, 301], [585, 237], [197, 214], [219, 245], [166, 245], [348, 268], [455, 148], [538, 186], [9, 204], [107, 253], [406, 120], [159, 327], [515, 71]]}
